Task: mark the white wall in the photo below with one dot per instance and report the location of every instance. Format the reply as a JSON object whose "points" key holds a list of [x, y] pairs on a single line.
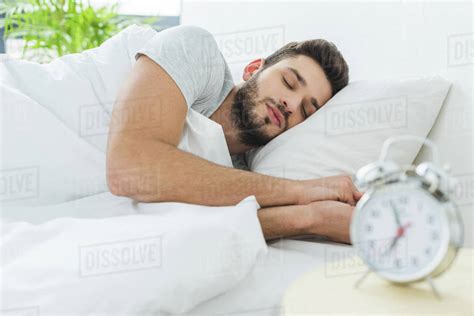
{"points": [[379, 40], [142, 7]]}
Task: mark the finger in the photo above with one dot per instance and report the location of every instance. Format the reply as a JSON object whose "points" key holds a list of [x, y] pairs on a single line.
{"points": [[350, 200], [358, 195]]}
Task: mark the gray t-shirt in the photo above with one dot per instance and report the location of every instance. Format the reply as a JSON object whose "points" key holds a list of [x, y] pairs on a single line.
{"points": [[190, 55]]}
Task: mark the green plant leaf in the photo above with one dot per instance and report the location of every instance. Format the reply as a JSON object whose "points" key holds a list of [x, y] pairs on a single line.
{"points": [[62, 26]]}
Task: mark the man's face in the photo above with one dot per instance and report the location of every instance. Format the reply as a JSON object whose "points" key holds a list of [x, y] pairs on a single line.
{"points": [[279, 97]]}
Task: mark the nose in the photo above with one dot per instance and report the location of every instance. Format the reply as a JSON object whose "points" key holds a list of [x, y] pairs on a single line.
{"points": [[289, 107]]}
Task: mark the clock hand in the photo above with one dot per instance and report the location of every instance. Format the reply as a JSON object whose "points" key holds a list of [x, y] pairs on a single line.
{"points": [[400, 233], [396, 214], [399, 227], [392, 245]]}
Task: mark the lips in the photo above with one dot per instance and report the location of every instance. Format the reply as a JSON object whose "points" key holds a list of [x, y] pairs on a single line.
{"points": [[275, 115]]}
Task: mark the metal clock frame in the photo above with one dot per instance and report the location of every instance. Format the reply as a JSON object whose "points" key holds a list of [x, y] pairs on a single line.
{"points": [[439, 187]]}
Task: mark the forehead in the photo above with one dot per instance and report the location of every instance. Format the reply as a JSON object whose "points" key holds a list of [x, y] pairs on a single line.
{"points": [[317, 83]]}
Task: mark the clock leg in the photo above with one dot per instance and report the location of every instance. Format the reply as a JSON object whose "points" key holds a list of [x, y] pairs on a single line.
{"points": [[433, 288], [356, 285]]}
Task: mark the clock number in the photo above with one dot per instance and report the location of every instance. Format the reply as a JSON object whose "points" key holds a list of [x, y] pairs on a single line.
{"points": [[403, 200], [375, 213], [430, 219]]}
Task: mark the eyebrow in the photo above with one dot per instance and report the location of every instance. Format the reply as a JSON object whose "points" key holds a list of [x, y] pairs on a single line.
{"points": [[301, 80]]}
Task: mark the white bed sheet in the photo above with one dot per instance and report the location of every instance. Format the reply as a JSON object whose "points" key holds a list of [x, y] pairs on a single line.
{"points": [[261, 292]]}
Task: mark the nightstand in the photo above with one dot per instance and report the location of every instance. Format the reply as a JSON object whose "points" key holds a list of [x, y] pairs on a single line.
{"points": [[324, 292]]}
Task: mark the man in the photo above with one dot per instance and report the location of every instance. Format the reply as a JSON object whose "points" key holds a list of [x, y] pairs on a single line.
{"points": [[182, 68]]}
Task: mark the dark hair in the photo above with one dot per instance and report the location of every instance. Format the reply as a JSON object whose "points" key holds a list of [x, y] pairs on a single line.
{"points": [[324, 53]]}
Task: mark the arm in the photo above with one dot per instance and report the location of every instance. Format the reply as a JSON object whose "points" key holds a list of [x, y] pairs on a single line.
{"points": [[282, 221], [143, 162], [325, 218]]}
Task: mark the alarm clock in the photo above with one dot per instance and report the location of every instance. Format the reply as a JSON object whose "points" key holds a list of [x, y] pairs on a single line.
{"points": [[406, 227]]}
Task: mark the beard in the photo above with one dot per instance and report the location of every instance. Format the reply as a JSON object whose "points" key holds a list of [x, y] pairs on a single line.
{"points": [[250, 127]]}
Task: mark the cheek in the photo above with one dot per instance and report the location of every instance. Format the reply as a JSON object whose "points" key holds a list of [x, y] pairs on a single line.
{"points": [[268, 86], [291, 123], [294, 120]]}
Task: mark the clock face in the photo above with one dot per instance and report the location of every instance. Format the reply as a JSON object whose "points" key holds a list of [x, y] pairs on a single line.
{"points": [[400, 231]]}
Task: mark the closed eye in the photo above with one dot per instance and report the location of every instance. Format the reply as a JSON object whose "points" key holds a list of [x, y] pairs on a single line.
{"points": [[303, 111], [286, 83]]}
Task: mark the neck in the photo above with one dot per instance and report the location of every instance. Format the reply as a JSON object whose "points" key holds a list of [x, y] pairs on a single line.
{"points": [[223, 117]]}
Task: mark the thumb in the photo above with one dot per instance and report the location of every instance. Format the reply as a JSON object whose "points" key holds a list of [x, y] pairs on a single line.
{"points": [[358, 195]]}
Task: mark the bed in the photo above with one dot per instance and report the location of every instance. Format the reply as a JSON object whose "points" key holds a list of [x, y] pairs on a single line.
{"points": [[387, 39], [67, 206]]}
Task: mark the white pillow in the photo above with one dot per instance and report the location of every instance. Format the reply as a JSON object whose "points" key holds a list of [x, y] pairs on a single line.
{"points": [[349, 130]]}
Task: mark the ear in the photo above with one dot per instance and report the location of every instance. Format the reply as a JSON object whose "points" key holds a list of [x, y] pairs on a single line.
{"points": [[252, 67]]}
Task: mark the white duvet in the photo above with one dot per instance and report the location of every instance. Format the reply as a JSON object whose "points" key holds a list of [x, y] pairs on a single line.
{"points": [[123, 258], [70, 247]]}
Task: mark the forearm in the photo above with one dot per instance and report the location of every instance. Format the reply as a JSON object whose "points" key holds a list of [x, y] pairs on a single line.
{"points": [[325, 218], [282, 221], [169, 174]]}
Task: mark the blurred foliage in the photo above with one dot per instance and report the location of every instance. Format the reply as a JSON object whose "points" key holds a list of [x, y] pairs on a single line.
{"points": [[62, 26]]}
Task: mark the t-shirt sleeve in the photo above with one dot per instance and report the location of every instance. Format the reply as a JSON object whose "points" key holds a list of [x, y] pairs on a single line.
{"points": [[189, 54]]}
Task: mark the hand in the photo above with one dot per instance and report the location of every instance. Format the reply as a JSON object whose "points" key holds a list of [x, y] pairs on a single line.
{"points": [[337, 188], [396, 214], [328, 218], [400, 228]]}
